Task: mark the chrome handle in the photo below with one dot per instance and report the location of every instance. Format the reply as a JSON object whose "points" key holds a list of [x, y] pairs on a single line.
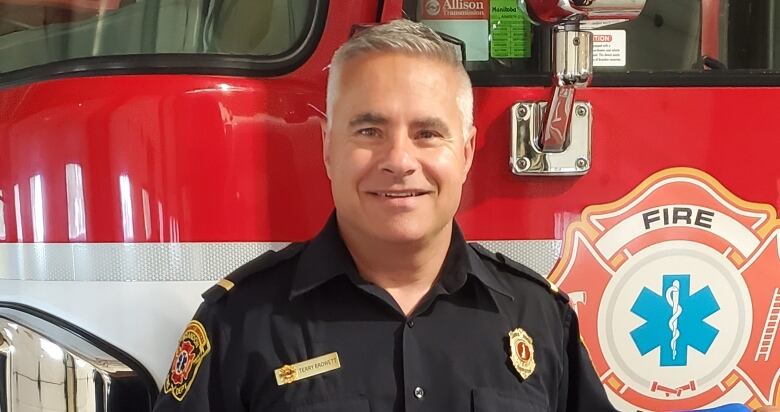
{"points": [[572, 50], [558, 11]]}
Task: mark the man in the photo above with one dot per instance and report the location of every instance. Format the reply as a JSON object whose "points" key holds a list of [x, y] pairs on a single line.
{"points": [[388, 308]]}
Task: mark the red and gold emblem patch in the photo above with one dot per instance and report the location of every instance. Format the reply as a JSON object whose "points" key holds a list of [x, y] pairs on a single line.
{"points": [[521, 348], [193, 347]]}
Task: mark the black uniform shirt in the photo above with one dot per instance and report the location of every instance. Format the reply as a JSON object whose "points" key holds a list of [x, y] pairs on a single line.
{"points": [[451, 354]]}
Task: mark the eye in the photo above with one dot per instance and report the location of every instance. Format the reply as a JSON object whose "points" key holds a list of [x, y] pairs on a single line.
{"points": [[427, 134], [368, 132]]}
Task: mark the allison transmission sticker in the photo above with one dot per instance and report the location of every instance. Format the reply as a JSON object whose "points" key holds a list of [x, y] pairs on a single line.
{"points": [[677, 287], [466, 20]]}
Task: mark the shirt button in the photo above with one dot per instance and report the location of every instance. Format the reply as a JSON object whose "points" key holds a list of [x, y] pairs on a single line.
{"points": [[419, 393], [410, 323]]}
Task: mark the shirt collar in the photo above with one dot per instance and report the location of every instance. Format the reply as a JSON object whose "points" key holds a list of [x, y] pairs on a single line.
{"points": [[471, 263], [326, 257]]}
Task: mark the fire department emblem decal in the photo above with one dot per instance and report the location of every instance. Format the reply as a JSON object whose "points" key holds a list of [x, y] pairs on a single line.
{"points": [[193, 346], [677, 287]]}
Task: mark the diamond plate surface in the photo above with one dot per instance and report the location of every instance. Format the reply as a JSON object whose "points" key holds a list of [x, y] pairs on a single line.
{"points": [[141, 262], [539, 255], [162, 262]]}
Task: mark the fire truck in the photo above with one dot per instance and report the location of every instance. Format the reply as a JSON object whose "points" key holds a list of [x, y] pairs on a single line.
{"points": [[148, 148]]}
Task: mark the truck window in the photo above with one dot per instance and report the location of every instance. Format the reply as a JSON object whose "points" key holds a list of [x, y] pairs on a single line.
{"points": [[689, 39], [40, 32]]}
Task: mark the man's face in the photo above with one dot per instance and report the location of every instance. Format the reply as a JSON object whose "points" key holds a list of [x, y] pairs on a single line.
{"points": [[395, 154]]}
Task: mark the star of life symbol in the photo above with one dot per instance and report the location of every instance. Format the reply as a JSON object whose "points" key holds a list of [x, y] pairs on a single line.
{"points": [[668, 314], [677, 289]]}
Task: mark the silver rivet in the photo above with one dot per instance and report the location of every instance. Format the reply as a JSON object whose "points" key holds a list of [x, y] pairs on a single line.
{"points": [[581, 163], [522, 111], [419, 393], [582, 110], [522, 164], [576, 41]]}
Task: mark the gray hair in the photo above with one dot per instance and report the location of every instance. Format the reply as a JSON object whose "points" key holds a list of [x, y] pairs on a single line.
{"points": [[410, 38]]}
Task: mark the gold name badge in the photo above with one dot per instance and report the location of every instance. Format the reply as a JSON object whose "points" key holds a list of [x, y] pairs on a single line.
{"points": [[306, 369]]}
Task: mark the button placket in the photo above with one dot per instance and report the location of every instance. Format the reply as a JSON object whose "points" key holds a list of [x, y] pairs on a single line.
{"points": [[414, 375]]}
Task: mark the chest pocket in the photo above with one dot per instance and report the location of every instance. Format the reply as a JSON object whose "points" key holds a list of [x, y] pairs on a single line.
{"points": [[491, 400], [339, 405]]}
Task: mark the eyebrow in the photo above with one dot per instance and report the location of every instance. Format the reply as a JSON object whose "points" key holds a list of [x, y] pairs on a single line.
{"points": [[434, 123], [368, 118]]}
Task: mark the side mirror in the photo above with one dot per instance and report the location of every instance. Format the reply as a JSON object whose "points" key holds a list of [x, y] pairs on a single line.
{"points": [[48, 365], [560, 11]]}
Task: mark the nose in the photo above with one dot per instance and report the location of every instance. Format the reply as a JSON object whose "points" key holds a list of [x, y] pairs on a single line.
{"points": [[399, 159]]}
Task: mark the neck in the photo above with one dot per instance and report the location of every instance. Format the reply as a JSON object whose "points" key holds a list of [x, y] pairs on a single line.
{"points": [[406, 270]]}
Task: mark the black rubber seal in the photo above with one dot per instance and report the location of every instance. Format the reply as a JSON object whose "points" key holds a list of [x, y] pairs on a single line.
{"points": [[713, 78]]}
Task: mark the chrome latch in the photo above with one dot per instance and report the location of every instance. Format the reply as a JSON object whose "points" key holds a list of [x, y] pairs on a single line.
{"points": [[553, 138], [528, 159]]}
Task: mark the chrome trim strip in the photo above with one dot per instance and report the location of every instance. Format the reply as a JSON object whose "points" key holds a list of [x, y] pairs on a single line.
{"points": [[162, 262]]}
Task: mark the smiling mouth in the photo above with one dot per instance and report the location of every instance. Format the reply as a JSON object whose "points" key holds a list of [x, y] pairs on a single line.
{"points": [[399, 195]]}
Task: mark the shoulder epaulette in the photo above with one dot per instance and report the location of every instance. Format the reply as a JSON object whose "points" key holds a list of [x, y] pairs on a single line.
{"points": [[263, 262], [521, 270]]}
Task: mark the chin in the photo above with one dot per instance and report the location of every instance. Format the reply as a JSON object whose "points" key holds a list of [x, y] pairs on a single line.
{"points": [[398, 235], [401, 230], [393, 227]]}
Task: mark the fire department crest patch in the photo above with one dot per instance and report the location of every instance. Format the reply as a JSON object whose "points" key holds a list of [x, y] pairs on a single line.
{"points": [[677, 288], [193, 347]]}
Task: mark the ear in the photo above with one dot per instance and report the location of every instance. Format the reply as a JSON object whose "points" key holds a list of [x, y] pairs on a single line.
{"points": [[468, 150], [325, 145]]}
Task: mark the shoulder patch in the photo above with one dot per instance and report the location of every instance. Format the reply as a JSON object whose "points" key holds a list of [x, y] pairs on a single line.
{"points": [[193, 347], [520, 269], [263, 262]]}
